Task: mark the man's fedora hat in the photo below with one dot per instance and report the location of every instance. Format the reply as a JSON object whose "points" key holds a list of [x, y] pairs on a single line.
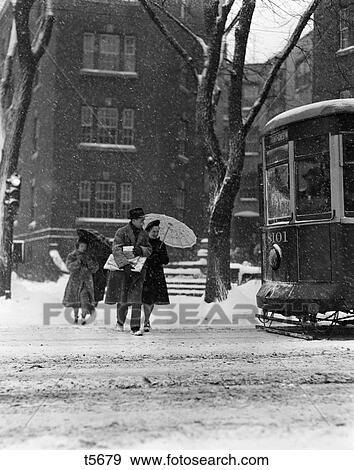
{"points": [[136, 213]]}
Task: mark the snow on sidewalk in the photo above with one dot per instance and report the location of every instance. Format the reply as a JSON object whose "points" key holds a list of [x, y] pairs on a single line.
{"points": [[39, 303]]}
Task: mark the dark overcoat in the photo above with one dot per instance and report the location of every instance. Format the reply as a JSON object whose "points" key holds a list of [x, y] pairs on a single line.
{"points": [[81, 267], [123, 287], [155, 288]]}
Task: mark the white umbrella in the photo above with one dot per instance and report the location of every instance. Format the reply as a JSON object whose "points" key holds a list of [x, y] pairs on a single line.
{"points": [[173, 232]]}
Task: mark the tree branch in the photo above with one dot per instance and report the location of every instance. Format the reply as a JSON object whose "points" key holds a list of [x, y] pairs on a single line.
{"points": [[200, 41], [8, 66], [40, 43], [216, 33], [236, 80], [22, 10], [170, 38], [232, 24], [278, 63]]}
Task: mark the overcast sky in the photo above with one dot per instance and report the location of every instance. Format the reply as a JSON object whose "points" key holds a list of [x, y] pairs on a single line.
{"points": [[272, 22]]}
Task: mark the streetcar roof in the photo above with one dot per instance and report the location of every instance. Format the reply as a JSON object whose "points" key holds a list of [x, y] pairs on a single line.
{"points": [[310, 111]]}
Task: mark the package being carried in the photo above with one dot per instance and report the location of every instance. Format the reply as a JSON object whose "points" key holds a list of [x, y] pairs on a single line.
{"points": [[137, 262]]}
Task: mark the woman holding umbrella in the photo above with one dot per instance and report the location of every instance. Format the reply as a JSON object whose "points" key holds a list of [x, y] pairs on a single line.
{"points": [[154, 288]]}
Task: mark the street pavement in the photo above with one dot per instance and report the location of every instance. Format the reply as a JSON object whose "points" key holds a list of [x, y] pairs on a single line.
{"points": [[72, 387]]}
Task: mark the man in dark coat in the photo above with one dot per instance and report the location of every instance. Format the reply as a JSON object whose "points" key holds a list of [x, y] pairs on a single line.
{"points": [[125, 287], [155, 288]]}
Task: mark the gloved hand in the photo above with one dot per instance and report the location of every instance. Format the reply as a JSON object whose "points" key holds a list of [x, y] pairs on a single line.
{"points": [[137, 251]]}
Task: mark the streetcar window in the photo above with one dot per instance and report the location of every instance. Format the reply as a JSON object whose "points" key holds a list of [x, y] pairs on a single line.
{"points": [[312, 172], [348, 174], [278, 193]]}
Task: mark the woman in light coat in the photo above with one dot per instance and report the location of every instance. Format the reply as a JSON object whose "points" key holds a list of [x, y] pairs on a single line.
{"points": [[79, 292]]}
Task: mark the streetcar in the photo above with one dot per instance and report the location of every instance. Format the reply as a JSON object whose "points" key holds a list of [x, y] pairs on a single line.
{"points": [[308, 215]]}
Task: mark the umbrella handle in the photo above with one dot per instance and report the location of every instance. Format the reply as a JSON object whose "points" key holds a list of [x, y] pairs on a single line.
{"points": [[168, 228]]}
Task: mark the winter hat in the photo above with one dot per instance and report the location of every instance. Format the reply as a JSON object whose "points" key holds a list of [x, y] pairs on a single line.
{"points": [[153, 223], [136, 213]]}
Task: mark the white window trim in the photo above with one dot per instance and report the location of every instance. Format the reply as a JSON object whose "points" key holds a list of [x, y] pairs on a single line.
{"points": [[107, 147], [102, 220], [346, 51], [103, 73]]}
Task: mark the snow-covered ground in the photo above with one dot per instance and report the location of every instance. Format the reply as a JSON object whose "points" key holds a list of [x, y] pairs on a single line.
{"points": [[39, 303]]}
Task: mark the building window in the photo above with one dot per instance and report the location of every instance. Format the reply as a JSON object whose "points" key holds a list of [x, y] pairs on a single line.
{"points": [[107, 55], [344, 28], [126, 198], [108, 52], [86, 124], [107, 126], [105, 200], [85, 198], [128, 126], [102, 126], [129, 53], [89, 50]]}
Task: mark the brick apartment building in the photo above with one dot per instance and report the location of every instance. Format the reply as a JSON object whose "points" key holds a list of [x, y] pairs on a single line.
{"points": [[110, 127], [334, 52]]}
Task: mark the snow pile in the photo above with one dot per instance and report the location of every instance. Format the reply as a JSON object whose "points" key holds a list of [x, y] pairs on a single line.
{"points": [[39, 303]]}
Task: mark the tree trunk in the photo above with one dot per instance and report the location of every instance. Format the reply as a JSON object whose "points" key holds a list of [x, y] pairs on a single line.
{"points": [[14, 122], [221, 212], [218, 274]]}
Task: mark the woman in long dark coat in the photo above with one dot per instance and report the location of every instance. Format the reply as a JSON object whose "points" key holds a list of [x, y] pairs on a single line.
{"points": [[154, 288], [79, 292]]}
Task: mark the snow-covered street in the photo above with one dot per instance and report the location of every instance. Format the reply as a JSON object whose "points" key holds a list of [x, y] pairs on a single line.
{"points": [[212, 387]]}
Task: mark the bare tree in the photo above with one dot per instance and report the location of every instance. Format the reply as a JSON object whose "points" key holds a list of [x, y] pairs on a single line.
{"points": [[224, 172], [24, 53]]}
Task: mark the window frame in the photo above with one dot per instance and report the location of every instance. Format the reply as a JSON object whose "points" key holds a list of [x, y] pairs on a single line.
{"points": [[126, 204], [85, 197], [85, 126], [129, 56], [317, 157], [104, 130], [88, 52], [112, 54], [109, 53], [281, 142], [100, 210], [128, 127]]}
